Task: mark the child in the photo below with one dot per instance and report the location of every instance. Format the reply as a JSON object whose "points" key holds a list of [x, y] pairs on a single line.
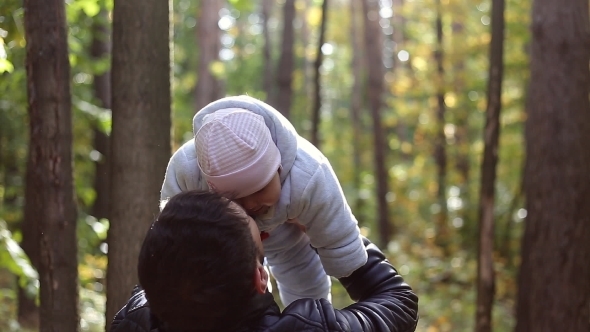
{"points": [[246, 150]]}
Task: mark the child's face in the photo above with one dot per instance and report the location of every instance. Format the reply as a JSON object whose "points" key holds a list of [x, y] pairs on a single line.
{"points": [[256, 234], [261, 201]]}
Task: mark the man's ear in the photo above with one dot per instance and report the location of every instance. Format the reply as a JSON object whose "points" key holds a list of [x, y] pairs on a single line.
{"points": [[260, 279]]}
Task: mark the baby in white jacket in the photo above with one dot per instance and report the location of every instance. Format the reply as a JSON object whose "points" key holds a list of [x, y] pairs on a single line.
{"points": [[246, 150]]}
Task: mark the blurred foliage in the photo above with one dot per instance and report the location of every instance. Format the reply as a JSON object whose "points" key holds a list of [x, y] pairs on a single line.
{"points": [[444, 282]]}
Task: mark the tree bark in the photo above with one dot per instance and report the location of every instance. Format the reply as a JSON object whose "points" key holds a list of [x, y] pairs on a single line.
{"points": [[317, 105], [485, 263], [267, 75], [286, 63], [440, 151], [49, 196], [99, 49], [373, 45], [208, 88], [553, 285], [140, 138]]}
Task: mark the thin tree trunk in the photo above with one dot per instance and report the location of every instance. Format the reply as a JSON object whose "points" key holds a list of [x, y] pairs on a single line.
{"points": [[356, 96], [373, 45], [397, 37], [317, 105], [49, 195], [397, 22], [286, 62], [267, 75], [462, 114], [553, 284], [28, 311], [208, 39], [505, 246], [10, 179], [462, 144], [140, 139], [485, 264], [100, 49], [308, 64], [440, 151]]}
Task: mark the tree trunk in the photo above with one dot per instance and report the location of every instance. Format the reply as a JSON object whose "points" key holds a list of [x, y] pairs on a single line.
{"points": [[398, 38], [11, 181], [49, 196], [286, 63], [505, 246], [317, 105], [462, 114], [140, 139], [267, 75], [308, 64], [28, 311], [462, 137], [485, 264], [100, 49], [553, 285], [440, 151], [208, 39], [397, 21], [373, 45], [356, 97]]}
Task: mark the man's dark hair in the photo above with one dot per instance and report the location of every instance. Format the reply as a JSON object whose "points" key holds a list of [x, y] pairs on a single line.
{"points": [[197, 263]]}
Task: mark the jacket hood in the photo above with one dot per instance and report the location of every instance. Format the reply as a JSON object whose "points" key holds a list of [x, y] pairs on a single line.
{"points": [[282, 131]]}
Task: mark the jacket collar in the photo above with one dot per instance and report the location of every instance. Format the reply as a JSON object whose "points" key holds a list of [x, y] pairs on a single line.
{"points": [[259, 307]]}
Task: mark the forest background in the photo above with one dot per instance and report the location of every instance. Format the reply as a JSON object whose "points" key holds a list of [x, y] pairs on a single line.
{"points": [[402, 96]]}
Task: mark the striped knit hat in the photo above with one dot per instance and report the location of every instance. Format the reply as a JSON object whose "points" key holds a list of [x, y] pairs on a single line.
{"points": [[236, 153]]}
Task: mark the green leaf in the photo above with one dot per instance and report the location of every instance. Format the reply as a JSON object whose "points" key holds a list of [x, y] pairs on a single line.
{"points": [[242, 5], [101, 115], [13, 258], [6, 66], [90, 8]]}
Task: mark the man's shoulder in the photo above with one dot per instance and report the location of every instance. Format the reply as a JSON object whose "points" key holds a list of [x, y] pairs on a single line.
{"points": [[306, 315]]}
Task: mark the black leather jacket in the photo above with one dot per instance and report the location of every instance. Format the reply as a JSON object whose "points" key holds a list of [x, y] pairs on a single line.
{"points": [[384, 303]]}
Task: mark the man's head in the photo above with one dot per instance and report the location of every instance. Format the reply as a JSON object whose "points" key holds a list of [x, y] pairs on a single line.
{"points": [[200, 262], [238, 158]]}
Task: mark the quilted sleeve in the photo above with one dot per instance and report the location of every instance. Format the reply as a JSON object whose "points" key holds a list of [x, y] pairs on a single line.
{"points": [[384, 301]]}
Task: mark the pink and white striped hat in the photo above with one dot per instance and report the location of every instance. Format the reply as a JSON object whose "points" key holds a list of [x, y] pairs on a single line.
{"points": [[236, 153]]}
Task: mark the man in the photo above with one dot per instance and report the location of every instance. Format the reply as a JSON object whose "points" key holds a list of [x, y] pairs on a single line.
{"points": [[200, 269]]}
